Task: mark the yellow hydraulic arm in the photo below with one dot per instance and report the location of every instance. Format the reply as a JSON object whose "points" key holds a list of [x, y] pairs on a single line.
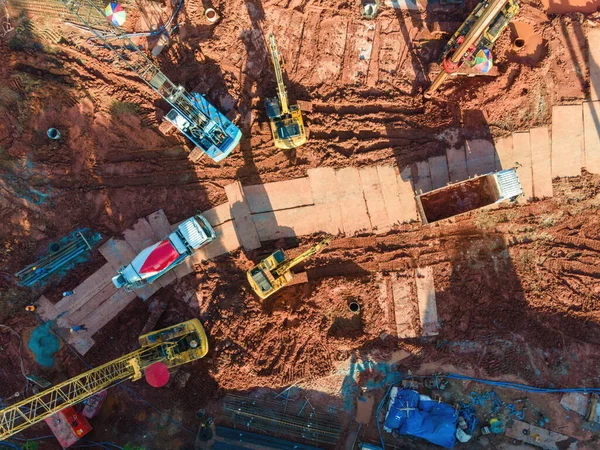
{"points": [[277, 60], [162, 345], [287, 265]]}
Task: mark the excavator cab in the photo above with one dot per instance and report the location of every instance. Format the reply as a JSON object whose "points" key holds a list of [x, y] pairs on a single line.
{"points": [[286, 121], [274, 272]]}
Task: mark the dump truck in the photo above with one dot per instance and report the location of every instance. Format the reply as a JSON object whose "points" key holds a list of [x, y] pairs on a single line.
{"points": [[468, 195], [156, 260]]}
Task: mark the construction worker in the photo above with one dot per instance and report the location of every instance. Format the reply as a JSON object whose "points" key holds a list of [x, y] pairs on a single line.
{"points": [[67, 293], [75, 328], [30, 308]]}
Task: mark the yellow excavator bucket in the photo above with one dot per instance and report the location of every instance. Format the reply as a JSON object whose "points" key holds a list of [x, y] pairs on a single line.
{"points": [[286, 121], [274, 272]]}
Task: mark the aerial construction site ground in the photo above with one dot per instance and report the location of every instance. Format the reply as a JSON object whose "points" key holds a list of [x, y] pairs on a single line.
{"points": [[517, 287]]}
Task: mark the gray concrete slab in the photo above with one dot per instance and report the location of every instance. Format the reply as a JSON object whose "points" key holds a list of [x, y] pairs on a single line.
{"points": [[117, 252], [480, 156], [522, 154], [541, 162], [438, 167], [567, 140], [504, 157], [407, 196], [404, 308], [591, 133], [279, 195], [352, 201], [593, 38], [244, 226], [457, 164], [421, 176], [140, 236], [287, 223], [323, 185], [388, 179], [540, 437], [426, 300], [371, 186]]}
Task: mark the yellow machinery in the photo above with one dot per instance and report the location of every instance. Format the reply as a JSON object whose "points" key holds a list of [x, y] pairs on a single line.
{"points": [[172, 346], [286, 121], [274, 272], [477, 34]]}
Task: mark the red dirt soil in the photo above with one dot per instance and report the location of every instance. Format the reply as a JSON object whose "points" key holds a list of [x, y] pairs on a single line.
{"points": [[517, 287]]}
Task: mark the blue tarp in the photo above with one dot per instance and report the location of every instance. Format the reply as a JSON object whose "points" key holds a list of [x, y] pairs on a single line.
{"points": [[411, 415]]}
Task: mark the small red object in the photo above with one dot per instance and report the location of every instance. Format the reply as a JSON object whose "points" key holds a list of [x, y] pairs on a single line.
{"points": [[68, 426], [157, 374]]}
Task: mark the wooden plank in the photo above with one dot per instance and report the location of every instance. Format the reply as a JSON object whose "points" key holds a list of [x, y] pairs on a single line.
{"points": [[244, 226], [45, 309], [279, 195], [218, 215], [504, 157], [540, 437], [457, 164], [567, 140], [376, 209], [140, 236], [438, 166], [591, 132], [117, 252], [426, 300], [403, 306], [91, 286], [226, 241], [480, 156], [160, 224], [407, 196], [541, 162], [421, 175], [389, 189], [352, 201], [522, 153]]}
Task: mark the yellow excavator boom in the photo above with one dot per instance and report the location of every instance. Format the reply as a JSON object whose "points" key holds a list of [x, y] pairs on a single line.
{"points": [[173, 346], [277, 63], [287, 265]]}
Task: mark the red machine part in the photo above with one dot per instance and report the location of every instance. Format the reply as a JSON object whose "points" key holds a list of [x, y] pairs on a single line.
{"points": [[68, 426]]}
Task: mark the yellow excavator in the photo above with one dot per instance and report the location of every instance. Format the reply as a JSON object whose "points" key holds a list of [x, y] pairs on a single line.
{"points": [[274, 272], [469, 49], [287, 125], [173, 346]]}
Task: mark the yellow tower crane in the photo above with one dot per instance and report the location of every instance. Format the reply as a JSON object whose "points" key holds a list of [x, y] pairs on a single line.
{"points": [[173, 346], [274, 272], [287, 125]]}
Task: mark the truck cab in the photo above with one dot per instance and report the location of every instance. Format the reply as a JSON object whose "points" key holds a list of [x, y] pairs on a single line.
{"points": [[156, 260]]}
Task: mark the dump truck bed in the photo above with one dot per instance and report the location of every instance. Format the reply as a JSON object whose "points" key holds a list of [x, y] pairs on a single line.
{"points": [[468, 195]]}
